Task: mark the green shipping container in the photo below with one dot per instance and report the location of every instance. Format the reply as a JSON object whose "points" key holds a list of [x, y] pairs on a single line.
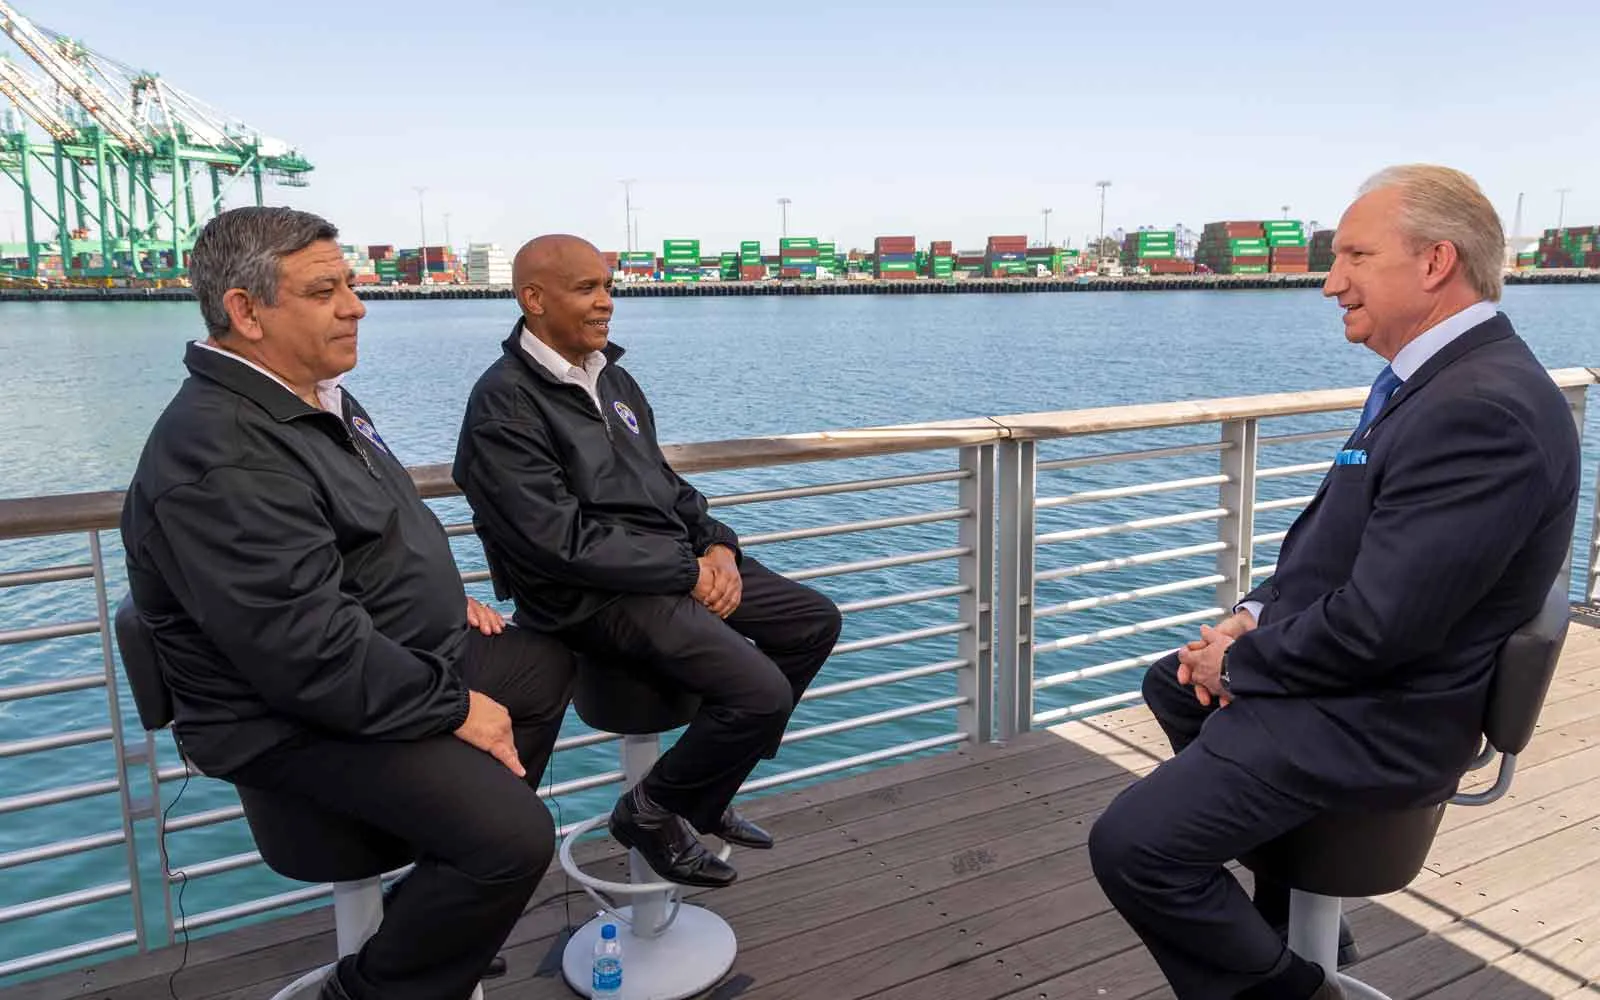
{"points": [[791, 242]]}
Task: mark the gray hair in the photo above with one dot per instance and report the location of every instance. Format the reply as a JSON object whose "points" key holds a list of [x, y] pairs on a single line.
{"points": [[241, 248], [1441, 205]]}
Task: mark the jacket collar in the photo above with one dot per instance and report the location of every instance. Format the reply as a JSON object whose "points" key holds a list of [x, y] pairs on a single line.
{"points": [[1496, 328], [281, 404], [513, 348]]}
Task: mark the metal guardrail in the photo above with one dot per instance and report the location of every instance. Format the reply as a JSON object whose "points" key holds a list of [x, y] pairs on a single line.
{"points": [[1009, 511]]}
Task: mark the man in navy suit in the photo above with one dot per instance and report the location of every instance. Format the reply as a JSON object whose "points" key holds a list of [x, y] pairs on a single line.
{"points": [[1357, 675]]}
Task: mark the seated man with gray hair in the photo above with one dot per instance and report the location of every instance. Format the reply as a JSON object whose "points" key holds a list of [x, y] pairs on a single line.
{"points": [[1357, 677], [311, 621]]}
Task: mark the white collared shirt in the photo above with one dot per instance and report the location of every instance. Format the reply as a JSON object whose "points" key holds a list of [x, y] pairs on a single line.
{"points": [[1431, 341], [328, 392], [587, 377]]}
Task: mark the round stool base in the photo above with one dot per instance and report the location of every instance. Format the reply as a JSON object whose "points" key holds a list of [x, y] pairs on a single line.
{"points": [[686, 960]]}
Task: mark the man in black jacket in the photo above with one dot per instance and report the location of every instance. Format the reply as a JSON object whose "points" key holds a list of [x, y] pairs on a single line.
{"points": [[600, 542], [1357, 676], [311, 620]]}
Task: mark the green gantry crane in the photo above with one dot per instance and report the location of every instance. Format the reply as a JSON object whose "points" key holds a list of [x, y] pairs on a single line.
{"points": [[114, 174]]}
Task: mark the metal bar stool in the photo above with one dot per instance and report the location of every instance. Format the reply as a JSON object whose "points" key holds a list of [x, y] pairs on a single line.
{"points": [[674, 950]]}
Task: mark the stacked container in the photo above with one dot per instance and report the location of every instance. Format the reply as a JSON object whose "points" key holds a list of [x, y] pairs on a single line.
{"points": [[941, 259], [797, 257], [1234, 248], [1286, 243], [1321, 258], [440, 264], [487, 264], [1044, 257], [1006, 256], [680, 260], [728, 266], [637, 263], [895, 257], [361, 264], [1576, 246], [1149, 247]]}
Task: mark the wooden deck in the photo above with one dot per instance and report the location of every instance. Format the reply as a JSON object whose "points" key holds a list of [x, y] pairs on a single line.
{"points": [[965, 877]]}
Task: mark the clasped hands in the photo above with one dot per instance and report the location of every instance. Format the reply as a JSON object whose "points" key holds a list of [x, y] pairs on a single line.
{"points": [[1200, 660], [720, 587]]}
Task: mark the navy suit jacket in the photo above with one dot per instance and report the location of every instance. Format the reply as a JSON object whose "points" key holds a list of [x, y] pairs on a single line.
{"points": [[1366, 680]]}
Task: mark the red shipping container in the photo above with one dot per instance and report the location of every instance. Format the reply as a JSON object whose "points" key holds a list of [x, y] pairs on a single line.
{"points": [[1007, 244], [895, 244], [789, 272], [941, 248], [752, 273], [1291, 268], [795, 253]]}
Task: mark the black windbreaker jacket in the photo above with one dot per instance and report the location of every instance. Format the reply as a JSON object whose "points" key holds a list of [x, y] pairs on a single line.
{"points": [[576, 506], [293, 578]]}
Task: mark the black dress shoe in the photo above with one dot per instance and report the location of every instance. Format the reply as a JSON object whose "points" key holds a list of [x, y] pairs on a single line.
{"points": [[735, 829], [667, 843]]}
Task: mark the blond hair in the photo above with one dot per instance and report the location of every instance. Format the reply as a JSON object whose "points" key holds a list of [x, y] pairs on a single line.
{"points": [[1441, 205]]}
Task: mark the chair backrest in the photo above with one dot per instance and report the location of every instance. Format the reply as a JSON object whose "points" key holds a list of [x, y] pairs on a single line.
{"points": [[1523, 669], [141, 663]]}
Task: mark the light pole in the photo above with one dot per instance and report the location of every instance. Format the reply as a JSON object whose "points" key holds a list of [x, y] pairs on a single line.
{"points": [[1285, 211], [1100, 246], [635, 214], [784, 203], [447, 229], [422, 252], [1561, 213], [1046, 213], [627, 212]]}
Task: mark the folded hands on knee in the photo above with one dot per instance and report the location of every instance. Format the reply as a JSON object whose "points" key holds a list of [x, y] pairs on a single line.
{"points": [[720, 587], [1200, 660]]}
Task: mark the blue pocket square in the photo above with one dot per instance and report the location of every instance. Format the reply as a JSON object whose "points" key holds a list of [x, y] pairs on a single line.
{"points": [[1351, 456]]}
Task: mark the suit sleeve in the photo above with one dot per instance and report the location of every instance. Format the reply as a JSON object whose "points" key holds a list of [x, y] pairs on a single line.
{"points": [[252, 558], [516, 484], [691, 507], [1455, 504]]}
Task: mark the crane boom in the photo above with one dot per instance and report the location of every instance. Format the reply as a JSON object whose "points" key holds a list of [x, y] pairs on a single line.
{"points": [[69, 78], [20, 91]]}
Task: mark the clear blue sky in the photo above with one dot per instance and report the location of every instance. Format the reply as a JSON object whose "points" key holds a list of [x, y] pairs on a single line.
{"points": [[926, 118]]}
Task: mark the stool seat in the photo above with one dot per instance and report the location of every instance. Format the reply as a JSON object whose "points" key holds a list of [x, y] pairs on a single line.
{"points": [[629, 698], [1350, 853], [302, 840]]}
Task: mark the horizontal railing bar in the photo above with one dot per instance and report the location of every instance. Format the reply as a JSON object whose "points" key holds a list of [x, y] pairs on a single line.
{"points": [[59, 849], [56, 796], [178, 773], [1098, 670], [65, 901], [586, 740], [1124, 596], [1271, 536], [850, 527], [896, 638], [459, 529], [40, 633], [1137, 524], [1123, 631], [45, 688], [216, 866], [875, 719], [1285, 503], [45, 959], [475, 576], [1304, 436], [1293, 470], [859, 760], [1120, 457], [882, 680], [29, 517], [256, 906], [39, 744], [830, 489], [895, 600], [581, 784], [1086, 708], [887, 562], [1263, 571], [1120, 492], [55, 574], [211, 817], [1123, 562]]}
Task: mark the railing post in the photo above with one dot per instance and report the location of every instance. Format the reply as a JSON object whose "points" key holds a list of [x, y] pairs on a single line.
{"points": [[1014, 594], [1577, 398], [976, 680], [1238, 496]]}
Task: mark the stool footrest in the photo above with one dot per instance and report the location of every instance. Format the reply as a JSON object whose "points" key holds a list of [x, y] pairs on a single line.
{"points": [[685, 961], [577, 874]]}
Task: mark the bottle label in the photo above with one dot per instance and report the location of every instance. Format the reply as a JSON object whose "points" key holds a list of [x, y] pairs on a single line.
{"points": [[607, 974]]}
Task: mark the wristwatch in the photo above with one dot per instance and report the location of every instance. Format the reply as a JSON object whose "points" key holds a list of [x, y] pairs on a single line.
{"points": [[1227, 685]]}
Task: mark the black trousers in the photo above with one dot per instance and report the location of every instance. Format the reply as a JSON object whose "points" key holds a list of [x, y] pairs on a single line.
{"points": [[483, 837], [1160, 849], [748, 669]]}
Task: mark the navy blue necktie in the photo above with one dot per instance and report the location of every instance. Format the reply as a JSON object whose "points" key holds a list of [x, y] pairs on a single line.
{"points": [[1382, 388]]}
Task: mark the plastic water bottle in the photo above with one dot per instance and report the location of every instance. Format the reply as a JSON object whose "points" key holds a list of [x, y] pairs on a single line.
{"points": [[607, 965]]}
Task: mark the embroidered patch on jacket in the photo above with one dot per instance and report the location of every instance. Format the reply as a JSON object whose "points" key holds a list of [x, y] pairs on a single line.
{"points": [[626, 415], [365, 428]]}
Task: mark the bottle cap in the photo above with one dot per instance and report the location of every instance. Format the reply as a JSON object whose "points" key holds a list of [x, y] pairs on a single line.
{"points": [[608, 931]]}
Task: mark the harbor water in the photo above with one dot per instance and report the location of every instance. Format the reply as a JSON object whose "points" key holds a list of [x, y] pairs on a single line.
{"points": [[87, 381]]}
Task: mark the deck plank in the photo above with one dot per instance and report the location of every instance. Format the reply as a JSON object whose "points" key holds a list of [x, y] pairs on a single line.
{"points": [[964, 876]]}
